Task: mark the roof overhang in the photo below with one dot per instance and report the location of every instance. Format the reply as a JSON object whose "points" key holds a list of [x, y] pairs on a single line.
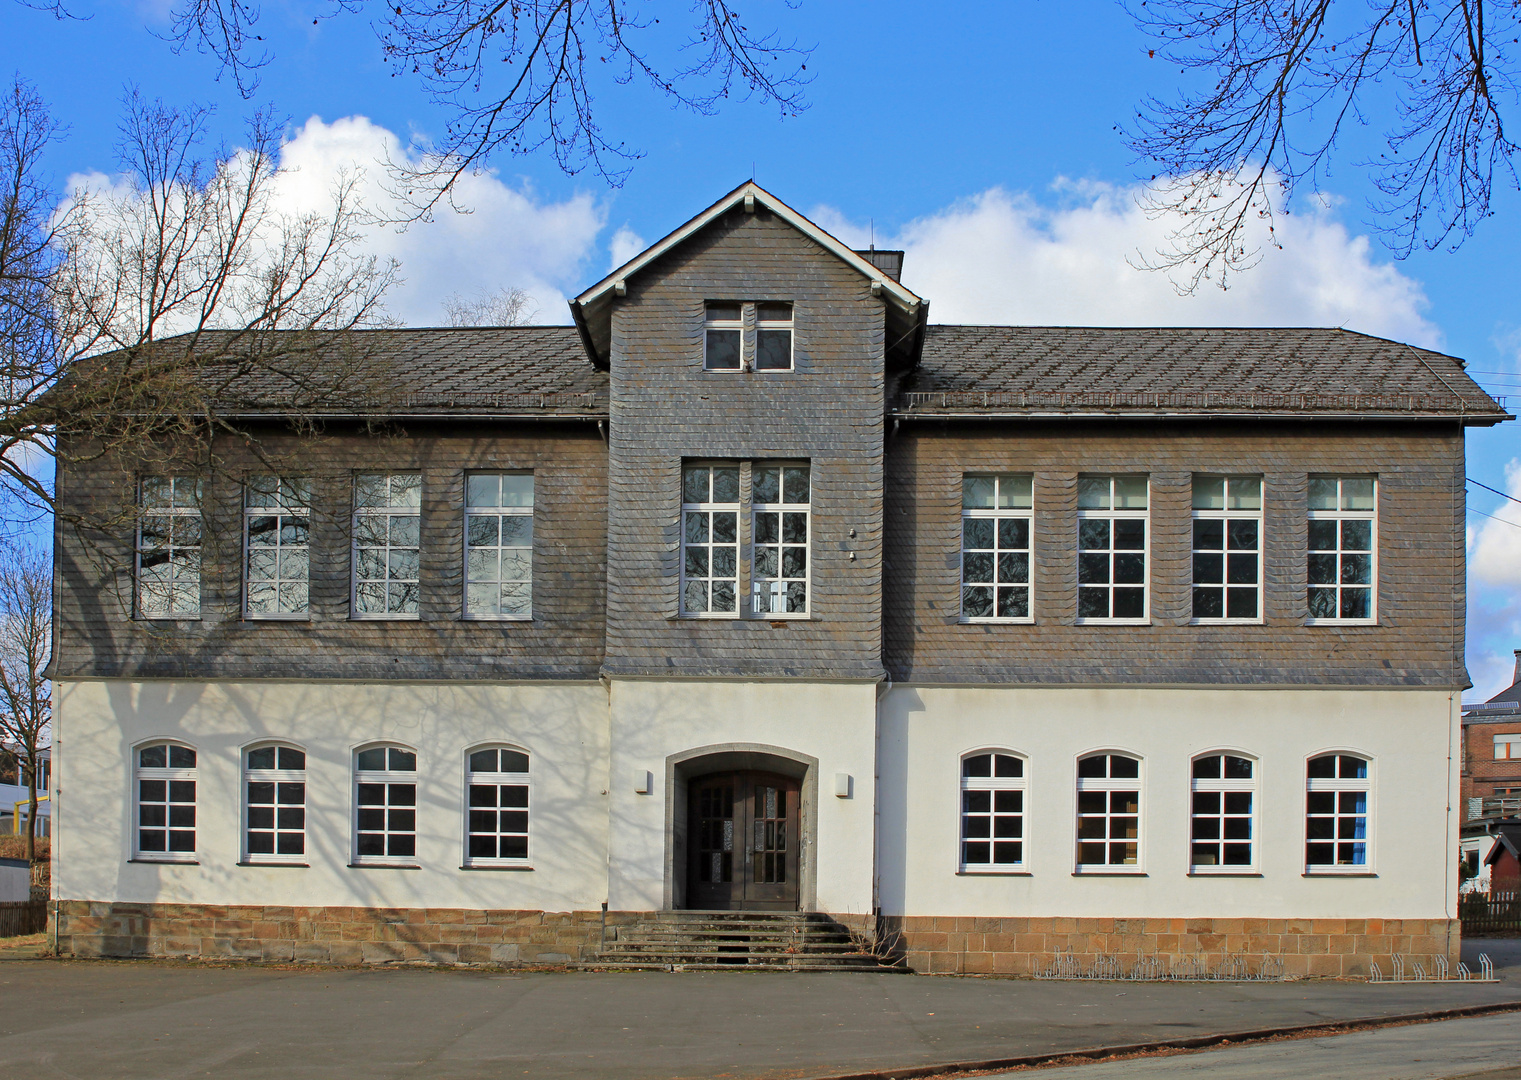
{"points": [[592, 310]]}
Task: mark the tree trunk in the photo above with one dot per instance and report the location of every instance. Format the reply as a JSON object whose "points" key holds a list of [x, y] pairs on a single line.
{"points": [[31, 817]]}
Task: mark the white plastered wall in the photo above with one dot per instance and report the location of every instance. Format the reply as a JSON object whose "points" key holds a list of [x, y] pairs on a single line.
{"points": [[1410, 735], [563, 727], [833, 723]]}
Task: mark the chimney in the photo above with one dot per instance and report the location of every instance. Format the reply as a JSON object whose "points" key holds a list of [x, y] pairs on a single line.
{"points": [[889, 262], [1516, 678]]}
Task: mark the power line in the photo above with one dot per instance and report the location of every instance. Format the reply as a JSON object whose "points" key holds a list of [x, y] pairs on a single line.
{"points": [[1497, 491], [1501, 520]]}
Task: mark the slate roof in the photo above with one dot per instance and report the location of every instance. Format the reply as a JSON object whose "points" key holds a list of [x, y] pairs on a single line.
{"points": [[1061, 370]]}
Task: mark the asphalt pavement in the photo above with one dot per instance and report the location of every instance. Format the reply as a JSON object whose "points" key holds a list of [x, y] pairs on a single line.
{"points": [[154, 1021]]}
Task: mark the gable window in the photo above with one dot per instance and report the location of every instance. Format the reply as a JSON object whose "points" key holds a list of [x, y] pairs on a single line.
{"points": [[274, 814], [779, 497], [497, 818], [1227, 549], [1112, 580], [1220, 836], [1336, 814], [710, 540], [277, 548], [1343, 534], [165, 795], [169, 547], [773, 337], [387, 528], [385, 804], [1507, 747], [995, 547], [992, 811], [1108, 812], [499, 545], [725, 330]]}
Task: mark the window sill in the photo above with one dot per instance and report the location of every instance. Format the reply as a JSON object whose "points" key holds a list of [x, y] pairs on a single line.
{"points": [[706, 616], [970, 621], [385, 618], [1338, 873], [1226, 622], [164, 862], [1206, 872], [964, 872], [1341, 622], [383, 866], [304, 616], [1111, 622], [1107, 871], [509, 867], [279, 865], [496, 618], [169, 618]]}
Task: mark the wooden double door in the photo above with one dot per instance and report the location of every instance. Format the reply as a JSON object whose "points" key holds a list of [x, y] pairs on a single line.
{"points": [[742, 841]]}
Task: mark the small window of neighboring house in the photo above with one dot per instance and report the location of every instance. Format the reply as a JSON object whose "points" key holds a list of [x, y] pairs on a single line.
{"points": [[387, 545], [1112, 579], [992, 812], [1507, 747], [1343, 549], [996, 522], [169, 547], [274, 813], [1337, 838], [385, 804], [499, 546], [165, 796], [497, 817], [1221, 833], [1108, 813], [1227, 549], [277, 521]]}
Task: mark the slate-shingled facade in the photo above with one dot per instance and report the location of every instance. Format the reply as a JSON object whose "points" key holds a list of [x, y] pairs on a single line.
{"points": [[970, 794]]}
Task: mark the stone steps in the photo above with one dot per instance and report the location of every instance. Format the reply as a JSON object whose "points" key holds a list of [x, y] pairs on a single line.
{"points": [[731, 940]]}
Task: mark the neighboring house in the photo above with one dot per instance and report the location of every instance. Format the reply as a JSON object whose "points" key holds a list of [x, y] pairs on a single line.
{"points": [[1491, 778], [14, 795], [1503, 863], [755, 590]]}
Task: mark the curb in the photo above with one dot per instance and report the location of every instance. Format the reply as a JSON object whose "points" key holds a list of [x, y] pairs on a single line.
{"points": [[1192, 1042]]}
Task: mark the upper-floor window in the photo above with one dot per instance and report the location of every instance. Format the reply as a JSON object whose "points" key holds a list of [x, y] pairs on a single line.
{"points": [[773, 337], [496, 824], [992, 811], [724, 327], [1337, 787], [387, 530], [995, 547], [165, 798], [1108, 812], [1227, 549], [274, 808], [724, 339], [1507, 747], [710, 539], [385, 804], [169, 547], [1343, 538], [1112, 579], [779, 497], [1220, 835], [499, 545], [277, 522]]}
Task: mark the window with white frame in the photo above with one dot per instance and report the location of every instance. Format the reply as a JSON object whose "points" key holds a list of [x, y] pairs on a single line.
{"points": [[277, 521], [385, 804], [779, 504], [1343, 539], [165, 795], [169, 547], [499, 545], [773, 337], [387, 531], [710, 540], [724, 331], [1221, 832], [497, 818], [992, 811], [1227, 549], [1337, 789], [1507, 747], [996, 523], [1108, 812], [1112, 579], [274, 810]]}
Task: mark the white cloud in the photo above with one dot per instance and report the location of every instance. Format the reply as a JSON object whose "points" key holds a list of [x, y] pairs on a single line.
{"points": [[1494, 599], [1495, 546], [624, 245], [1005, 257]]}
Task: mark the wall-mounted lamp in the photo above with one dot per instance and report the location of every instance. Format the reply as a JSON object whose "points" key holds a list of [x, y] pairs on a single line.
{"points": [[842, 785], [645, 784]]}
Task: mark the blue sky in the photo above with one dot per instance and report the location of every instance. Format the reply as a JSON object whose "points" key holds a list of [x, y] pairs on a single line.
{"points": [[982, 137]]}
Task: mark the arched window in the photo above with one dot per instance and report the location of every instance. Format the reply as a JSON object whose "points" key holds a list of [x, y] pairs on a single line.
{"points": [[496, 824], [385, 804], [1337, 837], [1108, 812], [992, 811], [165, 793], [274, 808], [1223, 805]]}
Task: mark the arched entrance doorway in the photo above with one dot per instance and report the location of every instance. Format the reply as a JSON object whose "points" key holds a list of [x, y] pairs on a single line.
{"points": [[740, 828]]}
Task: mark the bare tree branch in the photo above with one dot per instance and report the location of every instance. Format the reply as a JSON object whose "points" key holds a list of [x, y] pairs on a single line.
{"points": [[505, 307], [26, 643]]}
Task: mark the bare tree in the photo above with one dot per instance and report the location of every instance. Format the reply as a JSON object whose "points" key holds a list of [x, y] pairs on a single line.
{"points": [[1288, 78], [26, 636], [505, 307], [524, 75]]}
